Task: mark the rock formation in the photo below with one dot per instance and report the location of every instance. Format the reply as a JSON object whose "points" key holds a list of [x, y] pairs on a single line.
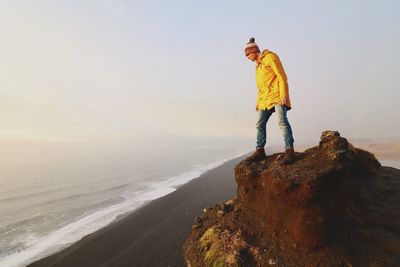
{"points": [[334, 206]]}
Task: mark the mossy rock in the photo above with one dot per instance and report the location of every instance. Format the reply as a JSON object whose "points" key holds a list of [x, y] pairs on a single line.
{"points": [[210, 242]]}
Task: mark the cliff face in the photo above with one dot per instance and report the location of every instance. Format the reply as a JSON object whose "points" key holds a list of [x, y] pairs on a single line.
{"points": [[335, 206]]}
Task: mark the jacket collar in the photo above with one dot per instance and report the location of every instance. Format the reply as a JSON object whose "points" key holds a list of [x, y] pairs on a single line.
{"points": [[260, 58]]}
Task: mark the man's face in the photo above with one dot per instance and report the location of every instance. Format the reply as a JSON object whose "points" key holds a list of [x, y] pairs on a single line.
{"points": [[252, 56]]}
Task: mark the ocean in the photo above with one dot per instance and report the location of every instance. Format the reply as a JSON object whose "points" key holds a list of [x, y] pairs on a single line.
{"points": [[55, 196], [395, 163]]}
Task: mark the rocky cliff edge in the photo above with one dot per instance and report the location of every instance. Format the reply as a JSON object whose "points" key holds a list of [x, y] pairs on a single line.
{"points": [[334, 206]]}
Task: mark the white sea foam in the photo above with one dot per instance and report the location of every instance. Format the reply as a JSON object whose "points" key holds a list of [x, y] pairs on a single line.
{"points": [[176, 181], [68, 234], [39, 247], [391, 163]]}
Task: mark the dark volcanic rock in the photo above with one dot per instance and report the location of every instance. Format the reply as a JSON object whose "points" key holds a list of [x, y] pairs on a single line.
{"points": [[309, 197], [335, 206]]}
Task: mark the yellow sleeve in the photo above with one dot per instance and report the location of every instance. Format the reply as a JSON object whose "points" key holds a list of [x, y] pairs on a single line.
{"points": [[277, 67]]}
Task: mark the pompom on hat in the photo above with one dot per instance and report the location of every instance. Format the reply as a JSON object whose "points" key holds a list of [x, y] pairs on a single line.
{"points": [[251, 47]]}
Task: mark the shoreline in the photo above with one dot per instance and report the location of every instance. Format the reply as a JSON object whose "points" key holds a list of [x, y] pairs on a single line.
{"points": [[152, 235]]}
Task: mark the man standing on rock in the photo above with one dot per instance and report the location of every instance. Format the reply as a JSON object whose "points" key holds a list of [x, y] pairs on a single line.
{"points": [[273, 96]]}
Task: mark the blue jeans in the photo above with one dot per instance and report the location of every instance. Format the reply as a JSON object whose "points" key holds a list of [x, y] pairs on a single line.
{"points": [[283, 124]]}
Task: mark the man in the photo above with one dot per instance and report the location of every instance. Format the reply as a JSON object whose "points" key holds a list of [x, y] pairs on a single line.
{"points": [[273, 96]]}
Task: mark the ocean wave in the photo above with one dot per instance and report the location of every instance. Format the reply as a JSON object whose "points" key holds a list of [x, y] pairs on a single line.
{"points": [[64, 198], [40, 193]]}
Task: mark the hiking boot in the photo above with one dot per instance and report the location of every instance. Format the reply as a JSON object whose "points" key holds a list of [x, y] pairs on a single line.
{"points": [[289, 156], [257, 155]]}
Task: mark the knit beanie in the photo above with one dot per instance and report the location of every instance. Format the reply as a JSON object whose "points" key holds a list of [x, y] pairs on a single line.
{"points": [[251, 47]]}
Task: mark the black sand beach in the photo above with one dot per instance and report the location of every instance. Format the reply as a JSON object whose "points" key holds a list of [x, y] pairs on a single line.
{"points": [[154, 234]]}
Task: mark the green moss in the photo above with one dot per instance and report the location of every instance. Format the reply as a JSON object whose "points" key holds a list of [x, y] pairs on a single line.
{"points": [[219, 262], [209, 237], [211, 244]]}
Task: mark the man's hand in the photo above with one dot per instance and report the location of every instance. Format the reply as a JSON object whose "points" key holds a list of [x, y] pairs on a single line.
{"points": [[257, 108], [284, 101]]}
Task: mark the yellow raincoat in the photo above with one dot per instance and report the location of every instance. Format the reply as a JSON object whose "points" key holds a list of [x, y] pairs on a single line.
{"points": [[271, 81]]}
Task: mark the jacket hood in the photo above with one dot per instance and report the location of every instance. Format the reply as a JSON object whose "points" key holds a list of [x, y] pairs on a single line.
{"points": [[261, 57], [264, 53]]}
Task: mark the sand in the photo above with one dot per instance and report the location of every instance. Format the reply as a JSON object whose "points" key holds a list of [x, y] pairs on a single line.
{"points": [[154, 234]]}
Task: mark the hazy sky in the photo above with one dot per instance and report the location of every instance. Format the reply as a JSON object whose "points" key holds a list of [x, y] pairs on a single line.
{"points": [[81, 70]]}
